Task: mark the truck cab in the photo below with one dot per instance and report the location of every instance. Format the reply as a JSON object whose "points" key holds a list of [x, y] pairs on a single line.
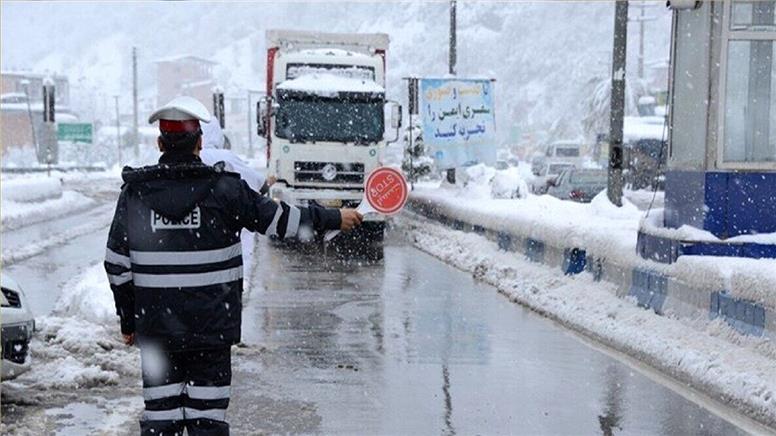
{"points": [[324, 115]]}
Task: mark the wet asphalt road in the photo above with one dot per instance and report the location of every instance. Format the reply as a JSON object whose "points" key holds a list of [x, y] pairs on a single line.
{"points": [[406, 345], [410, 345]]}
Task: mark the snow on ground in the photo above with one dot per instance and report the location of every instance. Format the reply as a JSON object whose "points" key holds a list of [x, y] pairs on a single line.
{"points": [[598, 226], [88, 297], [484, 182], [79, 345], [742, 375], [752, 279], [28, 200], [16, 254], [18, 214], [31, 190], [78, 350], [603, 230]]}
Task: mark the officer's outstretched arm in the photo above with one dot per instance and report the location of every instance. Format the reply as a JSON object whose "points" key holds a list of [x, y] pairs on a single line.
{"points": [[258, 213], [119, 267]]}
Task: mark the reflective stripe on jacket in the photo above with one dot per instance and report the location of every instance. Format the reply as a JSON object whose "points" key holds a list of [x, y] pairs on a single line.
{"points": [[173, 257]]}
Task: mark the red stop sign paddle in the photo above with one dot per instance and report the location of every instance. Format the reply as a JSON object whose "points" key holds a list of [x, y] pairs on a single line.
{"points": [[385, 192]]}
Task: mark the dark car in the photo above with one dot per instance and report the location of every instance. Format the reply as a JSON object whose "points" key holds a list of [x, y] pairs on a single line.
{"points": [[578, 184]]}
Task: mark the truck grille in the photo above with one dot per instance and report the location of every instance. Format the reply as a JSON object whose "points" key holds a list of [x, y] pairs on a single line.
{"points": [[313, 172], [12, 297]]}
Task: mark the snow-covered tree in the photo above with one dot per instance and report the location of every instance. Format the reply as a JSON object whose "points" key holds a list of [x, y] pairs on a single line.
{"points": [[416, 162]]}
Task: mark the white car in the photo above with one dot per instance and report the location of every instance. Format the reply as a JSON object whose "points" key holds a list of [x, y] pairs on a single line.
{"points": [[17, 327]]}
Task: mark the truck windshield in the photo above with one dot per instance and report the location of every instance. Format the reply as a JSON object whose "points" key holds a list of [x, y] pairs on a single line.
{"points": [[350, 117]]}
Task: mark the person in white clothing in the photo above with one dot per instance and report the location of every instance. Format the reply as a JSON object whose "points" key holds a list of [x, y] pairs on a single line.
{"points": [[213, 151]]}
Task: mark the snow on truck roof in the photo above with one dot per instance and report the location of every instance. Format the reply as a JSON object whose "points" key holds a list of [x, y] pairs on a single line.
{"points": [[361, 42], [338, 52], [328, 85]]}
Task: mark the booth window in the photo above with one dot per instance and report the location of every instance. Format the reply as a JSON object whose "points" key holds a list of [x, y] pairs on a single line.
{"points": [[750, 82]]}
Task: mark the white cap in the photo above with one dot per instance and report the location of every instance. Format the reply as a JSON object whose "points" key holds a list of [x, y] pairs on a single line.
{"points": [[181, 109]]}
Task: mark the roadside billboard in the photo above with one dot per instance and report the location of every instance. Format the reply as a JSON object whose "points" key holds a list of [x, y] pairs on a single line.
{"points": [[459, 125]]}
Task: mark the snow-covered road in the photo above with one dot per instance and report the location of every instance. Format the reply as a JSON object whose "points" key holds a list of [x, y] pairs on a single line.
{"points": [[408, 345], [44, 256]]}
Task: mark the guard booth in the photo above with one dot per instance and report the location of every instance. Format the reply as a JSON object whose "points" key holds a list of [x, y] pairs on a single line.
{"points": [[721, 174]]}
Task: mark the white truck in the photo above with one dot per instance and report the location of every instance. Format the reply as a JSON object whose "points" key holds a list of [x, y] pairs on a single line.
{"points": [[324, 117]]}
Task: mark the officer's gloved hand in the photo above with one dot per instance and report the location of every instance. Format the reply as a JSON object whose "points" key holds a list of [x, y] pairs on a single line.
{"points": [[350, 219]]}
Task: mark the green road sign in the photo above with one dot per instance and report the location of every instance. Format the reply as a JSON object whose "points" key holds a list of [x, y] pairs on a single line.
{"points": [[75, 132]]}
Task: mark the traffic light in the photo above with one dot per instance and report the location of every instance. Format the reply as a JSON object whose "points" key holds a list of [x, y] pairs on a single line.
{"points": [[218, 106], [49, 101]]}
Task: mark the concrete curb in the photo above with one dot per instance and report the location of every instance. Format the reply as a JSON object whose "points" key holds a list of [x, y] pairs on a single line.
{"points": [[652, 288]]}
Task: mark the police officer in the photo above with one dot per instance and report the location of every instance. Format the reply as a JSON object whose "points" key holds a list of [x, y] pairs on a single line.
{"points": [[174, 263]]}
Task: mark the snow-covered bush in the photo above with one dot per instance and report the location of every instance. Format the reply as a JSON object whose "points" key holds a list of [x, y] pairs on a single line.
{"points": [[482, 181], [508, 183], [416, 164]]}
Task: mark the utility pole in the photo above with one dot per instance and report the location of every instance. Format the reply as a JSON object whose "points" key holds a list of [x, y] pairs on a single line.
{"points": [[250, 126], [453, 54], [118, 128], [453, 60], [26, 84], [49, 123], [642, 19], [615, 179], [641, 41], [134, 103]]}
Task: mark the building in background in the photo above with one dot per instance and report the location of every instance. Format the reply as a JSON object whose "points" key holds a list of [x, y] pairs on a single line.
{"points": [[16, 131], [12, 82], [185, 75]]}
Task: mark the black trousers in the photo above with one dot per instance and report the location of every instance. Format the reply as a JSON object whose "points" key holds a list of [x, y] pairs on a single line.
{"points": [[185, 389]]}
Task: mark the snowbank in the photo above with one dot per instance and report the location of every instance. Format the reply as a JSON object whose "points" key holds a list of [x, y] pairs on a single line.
{"points": [[598, 226], [751, 279], [608, 235], [68, 352], [484, 182], [31, 190], [16, 214], [79, 346], [88, 297], [742, 375]]}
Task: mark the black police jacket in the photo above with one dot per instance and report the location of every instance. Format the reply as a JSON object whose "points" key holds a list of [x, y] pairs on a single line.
{"points": [[173, 258]]}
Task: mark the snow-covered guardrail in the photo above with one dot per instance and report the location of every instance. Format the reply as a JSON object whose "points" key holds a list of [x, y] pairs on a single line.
{"points": [[600, 239]]}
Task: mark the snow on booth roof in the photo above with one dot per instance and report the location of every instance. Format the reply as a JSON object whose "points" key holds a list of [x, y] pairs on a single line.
{"points": [[636, 128], [328, 85]]}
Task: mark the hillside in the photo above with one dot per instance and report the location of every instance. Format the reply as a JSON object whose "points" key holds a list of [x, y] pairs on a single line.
{"points": [[541, 53]]}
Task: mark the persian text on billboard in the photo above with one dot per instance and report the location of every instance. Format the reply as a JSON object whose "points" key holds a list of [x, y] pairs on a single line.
{"points": [[458, 121]]}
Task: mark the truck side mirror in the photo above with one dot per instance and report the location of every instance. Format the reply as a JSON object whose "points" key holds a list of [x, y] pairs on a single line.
{"points": [[261, 117], [396, 115]]}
